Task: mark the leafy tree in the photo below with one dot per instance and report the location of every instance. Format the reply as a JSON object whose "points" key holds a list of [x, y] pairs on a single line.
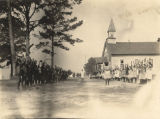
{"points": [[26, 10], [69, 72], [18, 34], [11, 36], [56, 24], [90, 67], [74, 74], [78, 74]]}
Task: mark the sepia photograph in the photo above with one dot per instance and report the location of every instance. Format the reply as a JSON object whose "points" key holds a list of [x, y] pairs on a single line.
{"points": [[80, 59]]}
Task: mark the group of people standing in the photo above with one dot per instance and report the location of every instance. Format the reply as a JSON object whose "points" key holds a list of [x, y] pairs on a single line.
{"points": [[129, 74], [30, 72]]}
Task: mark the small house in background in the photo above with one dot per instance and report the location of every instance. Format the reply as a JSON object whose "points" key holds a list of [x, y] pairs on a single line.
{"points": [[5, 73]]}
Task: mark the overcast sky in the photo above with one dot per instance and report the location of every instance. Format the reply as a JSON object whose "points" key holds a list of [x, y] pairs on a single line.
{"points": [[135, 20]]}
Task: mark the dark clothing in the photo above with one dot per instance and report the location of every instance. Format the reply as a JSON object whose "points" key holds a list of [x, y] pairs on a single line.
{"points": [[107, 81]]}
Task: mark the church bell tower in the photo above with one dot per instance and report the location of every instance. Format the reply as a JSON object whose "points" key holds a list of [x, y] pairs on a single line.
{"points": [[111, 39]]}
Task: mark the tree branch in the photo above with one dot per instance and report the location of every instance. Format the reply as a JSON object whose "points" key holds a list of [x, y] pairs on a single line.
{"points": [[33, 11], [34, 26]]}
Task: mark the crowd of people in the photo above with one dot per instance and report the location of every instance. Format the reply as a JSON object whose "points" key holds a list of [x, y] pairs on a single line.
{"points": [[141, 70], [31, 72]]}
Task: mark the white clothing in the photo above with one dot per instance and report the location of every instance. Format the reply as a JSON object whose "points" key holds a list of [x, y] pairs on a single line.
{"points": [[130, 74], [82, 73], [142, 75], [149, 74], [107, 74], [117, 73], [135, 73]]}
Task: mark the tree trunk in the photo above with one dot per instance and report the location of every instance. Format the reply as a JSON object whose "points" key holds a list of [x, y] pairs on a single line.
{"points": [[13, 54], [27, 31], [11, 74], [27, 46], [52, 53], [27, 40]]}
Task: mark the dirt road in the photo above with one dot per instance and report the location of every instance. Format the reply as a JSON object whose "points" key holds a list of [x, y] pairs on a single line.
{"points": [[71, 99]]}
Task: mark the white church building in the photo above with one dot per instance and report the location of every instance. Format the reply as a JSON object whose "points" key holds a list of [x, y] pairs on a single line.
{"points": [[120, 53]]}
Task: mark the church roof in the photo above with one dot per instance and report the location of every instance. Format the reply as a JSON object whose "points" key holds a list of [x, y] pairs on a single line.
{"points": [[134, 48], [111, 27]]}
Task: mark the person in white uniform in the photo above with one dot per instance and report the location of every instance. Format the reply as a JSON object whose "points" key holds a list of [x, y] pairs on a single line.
{"points": [[149, 74], [82, 74], [117, 74], [107, 76]]}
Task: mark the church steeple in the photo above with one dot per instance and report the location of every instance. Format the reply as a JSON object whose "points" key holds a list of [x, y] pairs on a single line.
{"points": [[111, 26], [111, 32]]}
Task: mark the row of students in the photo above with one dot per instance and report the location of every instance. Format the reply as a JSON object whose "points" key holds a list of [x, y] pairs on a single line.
{"points": [[31, 72], [129, 74]]}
